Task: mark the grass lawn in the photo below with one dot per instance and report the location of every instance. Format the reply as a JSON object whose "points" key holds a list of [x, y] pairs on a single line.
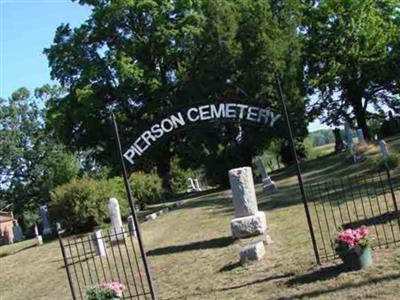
{"points": [[193, 257]]}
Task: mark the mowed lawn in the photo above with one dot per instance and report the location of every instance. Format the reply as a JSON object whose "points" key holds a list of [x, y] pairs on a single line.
{"points": [[193, 257]]}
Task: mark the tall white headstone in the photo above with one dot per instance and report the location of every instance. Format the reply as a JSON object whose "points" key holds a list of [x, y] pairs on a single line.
{"points": [[361, 138], [384, 149], [116, 221], [248, 220]]}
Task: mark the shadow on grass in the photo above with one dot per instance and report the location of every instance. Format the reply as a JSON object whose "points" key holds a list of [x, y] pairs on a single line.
{"points": [[376, 220], [17, 251], [318, 275], [209, 244], [230, 267], [257, 281], [318, 293]]}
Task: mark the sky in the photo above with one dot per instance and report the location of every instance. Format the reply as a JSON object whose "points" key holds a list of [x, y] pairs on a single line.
{"points": [[26, 28]]}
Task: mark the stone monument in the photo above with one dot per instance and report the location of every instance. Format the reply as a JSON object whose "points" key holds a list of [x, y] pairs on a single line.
{"points": [[117, 230], [268, 185], [99, 243], [248, 220]]}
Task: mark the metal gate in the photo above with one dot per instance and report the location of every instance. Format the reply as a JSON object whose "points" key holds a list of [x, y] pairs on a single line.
{"points": [[114, 256], [349, 202]]}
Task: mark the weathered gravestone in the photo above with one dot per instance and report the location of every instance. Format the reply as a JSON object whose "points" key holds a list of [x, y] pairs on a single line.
{"points": [[248, 220], [268, 185], [361, 138], [117, 230], [18, 236], [99, 243], [131, 226], [252, 252], [43, 210], [384, 149]]}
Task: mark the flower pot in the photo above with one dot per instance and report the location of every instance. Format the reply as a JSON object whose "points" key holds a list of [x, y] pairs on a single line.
{"points": [[357, 261]]}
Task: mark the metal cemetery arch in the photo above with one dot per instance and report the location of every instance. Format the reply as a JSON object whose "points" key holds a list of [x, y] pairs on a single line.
{"points": [[225, 111]]}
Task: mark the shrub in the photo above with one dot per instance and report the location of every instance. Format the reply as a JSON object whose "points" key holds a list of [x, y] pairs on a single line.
{"points": [[377, 163], [77, 205], [179, 178], [146, 188]]}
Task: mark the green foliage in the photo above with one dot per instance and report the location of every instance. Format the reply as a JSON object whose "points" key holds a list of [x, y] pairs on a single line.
{"points": [[350, 57], [100, 294], [378, 163], [179, 178], [146, 188], [77, 205], [145, 58], [32, 161], [320, 137]]}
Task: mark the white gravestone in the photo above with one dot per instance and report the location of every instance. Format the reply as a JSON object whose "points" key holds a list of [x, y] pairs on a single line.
{"points": [[384, 149], [248, 220], [197, 184], [361, 138], [99, 243], [39, 239], [191, 186], [268, 185], [117, 230], [252, 252], [131, 226]]}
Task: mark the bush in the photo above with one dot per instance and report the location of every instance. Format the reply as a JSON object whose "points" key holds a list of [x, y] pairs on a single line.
{"points": [[77, 205], [377, 163], [179, 178], [146, 188]]}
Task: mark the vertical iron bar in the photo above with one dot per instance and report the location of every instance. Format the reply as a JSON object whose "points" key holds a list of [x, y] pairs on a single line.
{"points": [[113, 255], [74, 267], [379, 210], [66, 267], [370, 204], [121, 257], [79, 260], [318, 220], [393, 194], [138, 265], [387, 208], [86, 259], [299, 175], [130, 200], [130, 264], [93, 257]]}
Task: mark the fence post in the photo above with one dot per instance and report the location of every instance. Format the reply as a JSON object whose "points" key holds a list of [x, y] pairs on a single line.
{"points": [[299, 175], [66, 266]]}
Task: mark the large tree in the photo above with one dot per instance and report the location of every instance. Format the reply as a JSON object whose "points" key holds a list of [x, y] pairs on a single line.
{"points": [[353, 58], [143, 58], [32, 162]]}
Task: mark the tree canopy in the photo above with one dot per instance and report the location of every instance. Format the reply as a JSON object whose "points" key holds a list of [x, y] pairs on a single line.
{"points": [[352, 58], [141, 59]]}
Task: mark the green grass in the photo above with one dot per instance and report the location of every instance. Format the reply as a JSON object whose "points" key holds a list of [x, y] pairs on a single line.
{"points": [[192, 256]]}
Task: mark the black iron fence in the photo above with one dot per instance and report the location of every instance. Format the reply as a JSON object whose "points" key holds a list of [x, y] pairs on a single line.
{"points": [[105, 256], [349, 202]]}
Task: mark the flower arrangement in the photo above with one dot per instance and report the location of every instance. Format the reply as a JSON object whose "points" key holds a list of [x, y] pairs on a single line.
{"points": [[105, 291], [352, 240]]}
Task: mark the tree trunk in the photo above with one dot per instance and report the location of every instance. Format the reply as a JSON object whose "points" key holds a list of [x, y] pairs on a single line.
{"points": [[163, 162], [360, 117]]}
